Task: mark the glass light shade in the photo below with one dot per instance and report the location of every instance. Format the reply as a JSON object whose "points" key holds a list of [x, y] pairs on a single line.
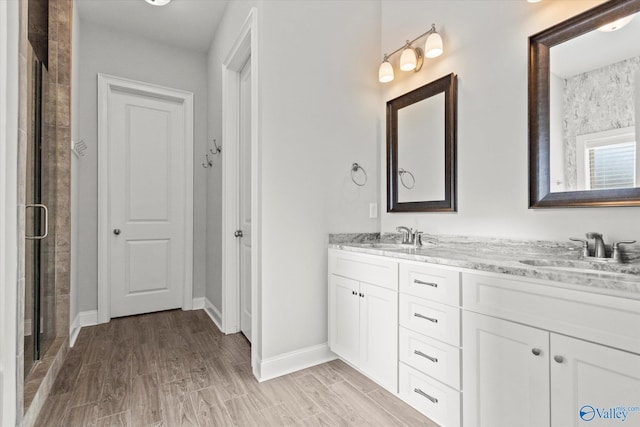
{"points": [[385, 72], [433, 46], [616, 25], [408, 59], [158, 2]]}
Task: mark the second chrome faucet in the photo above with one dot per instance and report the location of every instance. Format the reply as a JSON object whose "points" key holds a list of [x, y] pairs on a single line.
{"points": [[599, 251]]}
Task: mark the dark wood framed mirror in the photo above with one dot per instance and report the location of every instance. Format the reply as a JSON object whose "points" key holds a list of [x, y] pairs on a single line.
{"points": [[421, 148], [583, 108]]}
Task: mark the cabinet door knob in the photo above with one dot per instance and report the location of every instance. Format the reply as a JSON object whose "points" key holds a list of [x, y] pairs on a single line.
{"points": [[116, 231], [558, 358], [536, 351]]}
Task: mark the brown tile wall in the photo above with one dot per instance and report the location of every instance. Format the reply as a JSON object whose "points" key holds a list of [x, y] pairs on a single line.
{"points": [[60, 28]]}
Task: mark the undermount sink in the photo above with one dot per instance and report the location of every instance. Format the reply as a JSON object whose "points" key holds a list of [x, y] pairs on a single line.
{"points": [[378, 245], [576, 266]]}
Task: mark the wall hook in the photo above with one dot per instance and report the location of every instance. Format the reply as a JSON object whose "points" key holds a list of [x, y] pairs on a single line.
{"points": [[208, 163], [218, 148]]}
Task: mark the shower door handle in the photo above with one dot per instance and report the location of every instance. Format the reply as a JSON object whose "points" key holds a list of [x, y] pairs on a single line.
{"points": [[46, 221]]}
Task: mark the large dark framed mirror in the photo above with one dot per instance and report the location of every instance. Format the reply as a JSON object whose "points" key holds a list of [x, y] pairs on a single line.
{"points": [[584, 102], [421, 148]]}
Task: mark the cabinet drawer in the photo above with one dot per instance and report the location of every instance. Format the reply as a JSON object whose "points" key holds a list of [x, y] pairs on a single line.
{"points": [[432, 398], [605, 319], [430, 318], [365, 268], [433, 283], [434, 358]]}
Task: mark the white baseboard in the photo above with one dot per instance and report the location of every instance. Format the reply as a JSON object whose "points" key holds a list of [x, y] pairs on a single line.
{"points": [[84, 318], [293, 361], [198, 303], [213, 313]]}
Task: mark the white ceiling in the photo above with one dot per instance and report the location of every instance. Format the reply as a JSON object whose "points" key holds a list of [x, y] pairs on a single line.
{"points": [[595, 50], [188, 24]]}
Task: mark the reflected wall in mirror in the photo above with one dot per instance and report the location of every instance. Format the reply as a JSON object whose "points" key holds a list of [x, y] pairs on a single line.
{"points": [[584, 103], [421, 144]]}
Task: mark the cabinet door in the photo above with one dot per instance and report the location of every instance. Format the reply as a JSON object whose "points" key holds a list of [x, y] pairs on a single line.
{"points": [[344, 318], [504, 383], [379, 335], [592, 383]]}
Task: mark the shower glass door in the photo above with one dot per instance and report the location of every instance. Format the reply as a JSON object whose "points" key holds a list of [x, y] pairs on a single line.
{"points": [[39, 320]]}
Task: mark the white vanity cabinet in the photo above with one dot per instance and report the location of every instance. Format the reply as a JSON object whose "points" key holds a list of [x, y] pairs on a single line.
{"points": [[363, 314], [429, 347], [480, 349], [505, 384], [520, 367]]}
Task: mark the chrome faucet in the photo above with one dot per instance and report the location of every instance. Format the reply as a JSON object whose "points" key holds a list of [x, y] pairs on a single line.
{"points": [[599, 253], [407, 234], [599, 244]]}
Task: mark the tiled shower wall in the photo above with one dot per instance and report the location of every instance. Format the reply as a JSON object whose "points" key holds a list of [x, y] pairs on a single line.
{"points": [[60, 25]]}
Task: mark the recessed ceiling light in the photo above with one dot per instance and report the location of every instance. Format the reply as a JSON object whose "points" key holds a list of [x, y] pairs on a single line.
{"points": [[158, 2]]}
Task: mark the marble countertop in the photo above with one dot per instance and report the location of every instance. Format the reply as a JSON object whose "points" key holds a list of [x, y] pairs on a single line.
{"points": [[555, 261]]}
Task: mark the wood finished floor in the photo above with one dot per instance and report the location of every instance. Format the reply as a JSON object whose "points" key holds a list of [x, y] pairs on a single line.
{"points": [[175, 368]]}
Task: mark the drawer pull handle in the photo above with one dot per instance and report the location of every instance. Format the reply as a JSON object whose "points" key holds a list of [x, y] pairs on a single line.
{"points": [[421, 316], [420, 282], [426, 356], [423, 394]]}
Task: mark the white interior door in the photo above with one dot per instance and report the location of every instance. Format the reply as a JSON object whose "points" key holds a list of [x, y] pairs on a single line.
{"points": [[244, 168], [146, 149]]}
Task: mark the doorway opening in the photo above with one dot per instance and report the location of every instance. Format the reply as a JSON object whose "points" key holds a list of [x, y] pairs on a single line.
{"points": [[145, 198], [241, 298]]}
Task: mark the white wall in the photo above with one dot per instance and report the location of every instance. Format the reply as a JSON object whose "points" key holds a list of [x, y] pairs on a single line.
{"points": [[118, 54], [319, 115], [9, 335], [319, 101], [486, 44]]}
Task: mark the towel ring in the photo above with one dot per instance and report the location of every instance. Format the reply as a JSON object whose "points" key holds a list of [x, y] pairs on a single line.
{"points": [[354, 168], [402, 173]]}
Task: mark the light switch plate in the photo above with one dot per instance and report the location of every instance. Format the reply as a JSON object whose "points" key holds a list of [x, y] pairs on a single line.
{"points": [[373, 210]]}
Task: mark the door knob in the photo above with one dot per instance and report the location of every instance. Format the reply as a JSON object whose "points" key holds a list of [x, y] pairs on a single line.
{"points": [[238, 233], [116, 231], [536, 351], [558, 358]]}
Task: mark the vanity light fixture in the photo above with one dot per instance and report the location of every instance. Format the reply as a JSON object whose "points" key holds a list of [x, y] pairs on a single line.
{"points": [[616, 25], [412, 57], [158, 2]]}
